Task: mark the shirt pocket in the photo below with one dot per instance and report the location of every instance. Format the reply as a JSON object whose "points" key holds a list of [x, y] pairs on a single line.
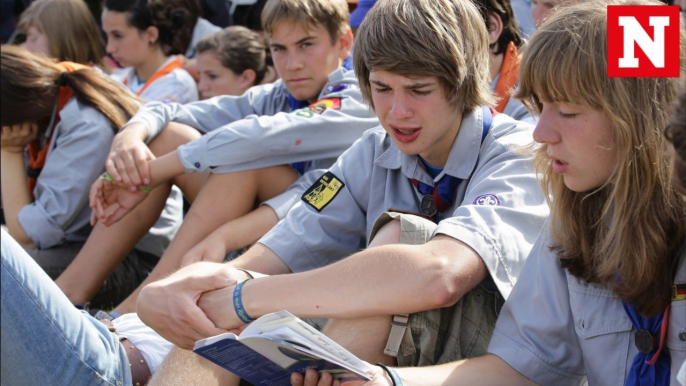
{"points": [[604, 332]]}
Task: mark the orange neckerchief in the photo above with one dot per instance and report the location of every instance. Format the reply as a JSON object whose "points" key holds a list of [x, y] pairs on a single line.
{"points": [[509, 72], [174, 64], [38, 155]]}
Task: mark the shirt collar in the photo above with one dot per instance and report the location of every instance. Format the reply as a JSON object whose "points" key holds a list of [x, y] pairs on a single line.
{"points": [[461, 161]]}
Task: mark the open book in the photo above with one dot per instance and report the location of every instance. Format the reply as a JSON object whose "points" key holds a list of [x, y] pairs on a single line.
{"points": [[276, 345]]}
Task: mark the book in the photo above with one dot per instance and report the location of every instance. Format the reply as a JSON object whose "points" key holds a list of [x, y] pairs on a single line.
{"points": [[276, 345]]}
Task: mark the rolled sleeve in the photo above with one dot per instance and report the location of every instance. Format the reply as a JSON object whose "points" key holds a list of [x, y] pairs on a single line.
{"points": [[40, 226], [535, 331], [308, 238], [208, 115], [75, 159], [283, 203], [283, 138], [502, 211]]}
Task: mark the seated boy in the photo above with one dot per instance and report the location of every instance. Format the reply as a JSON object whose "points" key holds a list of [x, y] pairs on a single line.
{"points": [[306, 119], [429, 88]]}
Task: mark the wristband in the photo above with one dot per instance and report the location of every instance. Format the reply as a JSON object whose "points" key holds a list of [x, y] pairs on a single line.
{"points": [[238, 304], [395, 378], [146, 189]]}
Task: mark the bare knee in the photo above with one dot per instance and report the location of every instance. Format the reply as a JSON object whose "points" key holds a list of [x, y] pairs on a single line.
{"points": [[388, 234], [364, 337]]}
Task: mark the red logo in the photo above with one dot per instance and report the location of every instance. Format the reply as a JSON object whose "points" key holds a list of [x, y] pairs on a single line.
{"points": [[642, 41]]}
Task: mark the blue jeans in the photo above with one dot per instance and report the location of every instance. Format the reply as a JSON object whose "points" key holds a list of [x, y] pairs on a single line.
{"points": [[44, 339]]}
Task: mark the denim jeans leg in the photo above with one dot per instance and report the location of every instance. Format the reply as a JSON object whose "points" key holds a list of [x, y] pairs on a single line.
{"points": [[44, 339]]}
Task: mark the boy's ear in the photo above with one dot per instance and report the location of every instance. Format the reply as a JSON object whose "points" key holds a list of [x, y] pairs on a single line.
{"points": [[345, 39], [247, 78], [495, 27]]}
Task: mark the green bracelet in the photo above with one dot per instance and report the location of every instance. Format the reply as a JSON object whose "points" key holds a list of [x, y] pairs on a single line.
{"points": [[146, 189], [107, 177]]}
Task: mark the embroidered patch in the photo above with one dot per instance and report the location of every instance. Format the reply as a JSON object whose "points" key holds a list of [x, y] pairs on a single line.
{"points": [[487, 199], [328, 103], [306, 112], [323, 191], [338, 87]]}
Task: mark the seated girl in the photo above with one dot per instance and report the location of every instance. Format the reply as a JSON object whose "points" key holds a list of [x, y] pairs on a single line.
{"points": [[66, 115], [601, 296], [231, 61], [145, 36], [63, 30]]}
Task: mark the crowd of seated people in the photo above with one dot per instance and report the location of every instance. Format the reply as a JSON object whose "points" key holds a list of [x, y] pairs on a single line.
{"points": [[497, 209]]}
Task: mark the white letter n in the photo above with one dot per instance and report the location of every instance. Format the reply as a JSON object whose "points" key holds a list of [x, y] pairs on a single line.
{"points": [[633, 32]]}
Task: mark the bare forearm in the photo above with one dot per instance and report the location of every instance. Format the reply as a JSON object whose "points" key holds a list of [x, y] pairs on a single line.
{"points": [[246, 230], [379, 281], [15, 194], [165, 168], [486, 370]]}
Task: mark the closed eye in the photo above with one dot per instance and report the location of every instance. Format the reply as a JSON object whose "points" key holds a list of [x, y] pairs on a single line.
{"points": [[421, 93]]}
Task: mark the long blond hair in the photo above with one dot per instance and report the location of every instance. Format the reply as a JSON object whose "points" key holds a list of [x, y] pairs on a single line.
{"points": [[29, 86], [628, 233]]}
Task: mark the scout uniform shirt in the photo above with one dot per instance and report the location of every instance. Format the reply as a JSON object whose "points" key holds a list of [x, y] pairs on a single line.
{"points": [[498, 209], [76, 157], [261, 129], [557, 329], [175, 86]]}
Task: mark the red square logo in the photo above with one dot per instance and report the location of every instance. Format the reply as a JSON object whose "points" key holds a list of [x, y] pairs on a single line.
{"points": [[642, 41]]}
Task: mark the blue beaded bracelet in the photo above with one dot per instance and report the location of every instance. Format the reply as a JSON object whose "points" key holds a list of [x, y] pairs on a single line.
{"points": [[238, 304], [395, 378]]}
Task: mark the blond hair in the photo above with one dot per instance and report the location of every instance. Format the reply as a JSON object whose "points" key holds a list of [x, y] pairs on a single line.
{"points": [[628, 233], [421, 38], [69, 27], [332, 15], [29, 87]]}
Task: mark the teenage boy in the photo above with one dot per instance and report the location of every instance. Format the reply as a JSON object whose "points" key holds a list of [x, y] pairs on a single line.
{"points": [[429, 89], [306, 119]]}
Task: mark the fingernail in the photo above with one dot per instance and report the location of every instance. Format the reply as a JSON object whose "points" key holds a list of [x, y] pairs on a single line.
{"points": [[147, 181]]}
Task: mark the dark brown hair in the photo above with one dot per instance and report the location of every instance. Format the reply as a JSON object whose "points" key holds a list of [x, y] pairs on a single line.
{"points": [[237, 49]]}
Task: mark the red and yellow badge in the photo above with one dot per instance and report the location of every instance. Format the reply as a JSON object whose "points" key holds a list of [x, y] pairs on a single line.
{"points": [[328, 103], [679, 292]]}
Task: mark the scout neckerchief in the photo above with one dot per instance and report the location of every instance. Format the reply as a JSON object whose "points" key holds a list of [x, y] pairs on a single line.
{"points": [[171, 66], [295, 104], [652, 364], [507, 80], [436, 199], [37, 153]]}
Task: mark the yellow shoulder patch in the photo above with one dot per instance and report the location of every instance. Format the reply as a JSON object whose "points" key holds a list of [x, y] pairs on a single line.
{"points": [[322, 192]]}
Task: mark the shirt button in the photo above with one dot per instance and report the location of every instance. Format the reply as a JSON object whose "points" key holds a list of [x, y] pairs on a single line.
{"points": [[197, 164], [682, 336]]}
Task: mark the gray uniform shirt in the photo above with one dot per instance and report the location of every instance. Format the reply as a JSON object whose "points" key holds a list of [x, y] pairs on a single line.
{"points": [[555, 329], [498, 210], [258, 129], [76, 157]]}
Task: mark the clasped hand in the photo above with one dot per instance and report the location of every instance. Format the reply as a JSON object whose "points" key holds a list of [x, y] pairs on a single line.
{"points": [[192, 304]]}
